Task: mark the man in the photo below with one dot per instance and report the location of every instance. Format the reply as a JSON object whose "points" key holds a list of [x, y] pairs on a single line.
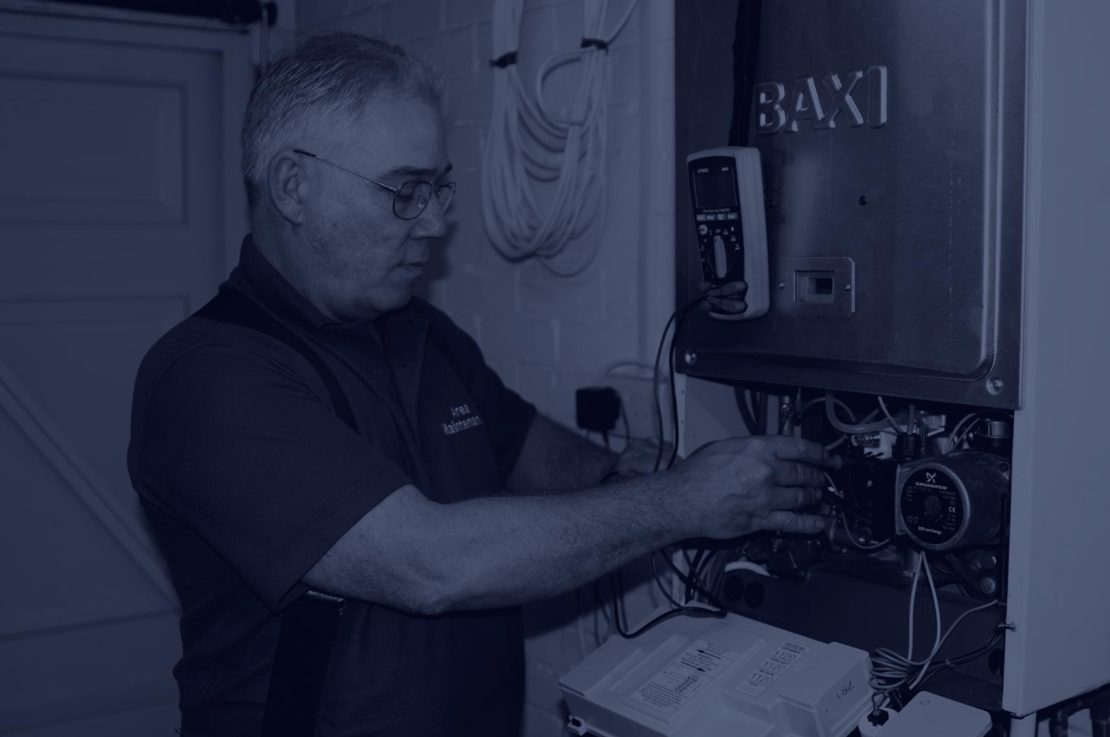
{"points": [[430, 508]]}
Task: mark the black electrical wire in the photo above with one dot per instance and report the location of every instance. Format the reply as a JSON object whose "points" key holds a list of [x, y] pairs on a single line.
{"points": [[752, 406], [704, 573], [689, 580], [616, 581], [620, 618], [689, 611], [759, 405], [704, 569], [984, 649], [691, 557], [745, 58], [659, 582], [693, 567], [710, 572], [674, 397], [958, 571], [745, 410], [695, 572], [711, 560], [693, 585], [752, 399], [678, 314]]}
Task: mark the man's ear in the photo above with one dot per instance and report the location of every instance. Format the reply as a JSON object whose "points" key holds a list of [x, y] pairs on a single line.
{"points": [[287, 186]]}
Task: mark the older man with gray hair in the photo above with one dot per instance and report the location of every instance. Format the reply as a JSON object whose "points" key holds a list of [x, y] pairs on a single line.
{"points": [[352, 505]]}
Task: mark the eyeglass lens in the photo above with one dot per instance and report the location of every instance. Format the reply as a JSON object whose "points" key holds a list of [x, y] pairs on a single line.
{"points": [[413, 196]]}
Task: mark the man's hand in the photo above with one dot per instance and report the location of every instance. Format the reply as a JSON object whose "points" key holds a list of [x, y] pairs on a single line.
{"points": [[741, 485], [727, 298]]}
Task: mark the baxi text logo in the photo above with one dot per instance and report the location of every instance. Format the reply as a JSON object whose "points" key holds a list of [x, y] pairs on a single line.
{"points": [[837, 102]]}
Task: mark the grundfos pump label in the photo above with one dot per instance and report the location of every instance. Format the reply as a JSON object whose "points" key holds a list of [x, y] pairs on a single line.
{"points": [[932, 507]]}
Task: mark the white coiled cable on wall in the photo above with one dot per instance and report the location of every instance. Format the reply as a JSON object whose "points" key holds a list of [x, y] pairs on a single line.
{"points": [[543, 175]]}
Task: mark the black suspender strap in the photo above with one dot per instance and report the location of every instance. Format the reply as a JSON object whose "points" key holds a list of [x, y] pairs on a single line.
{"points": [[310, 623], [238, 309], [305, 640]]}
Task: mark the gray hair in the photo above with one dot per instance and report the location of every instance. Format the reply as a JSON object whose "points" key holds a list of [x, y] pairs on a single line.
{"points": [[327, 74]]}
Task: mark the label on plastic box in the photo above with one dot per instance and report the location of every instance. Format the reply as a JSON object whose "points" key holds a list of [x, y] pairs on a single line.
{"points": [[683, 677], [769, 671]]}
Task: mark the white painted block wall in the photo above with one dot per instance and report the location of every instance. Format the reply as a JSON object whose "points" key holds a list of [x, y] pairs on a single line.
{"points": [[546, 336]]}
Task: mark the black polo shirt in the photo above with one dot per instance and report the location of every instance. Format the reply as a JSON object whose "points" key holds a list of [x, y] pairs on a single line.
{"points": [[248, 477]]}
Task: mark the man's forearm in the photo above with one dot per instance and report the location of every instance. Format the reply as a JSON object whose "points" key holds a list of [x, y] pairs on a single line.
{"points": [[421, 556], [511, 550]]}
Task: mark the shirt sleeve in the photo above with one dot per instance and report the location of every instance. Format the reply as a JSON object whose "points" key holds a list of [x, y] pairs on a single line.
{"points": [[240, 449], [510, 413]]}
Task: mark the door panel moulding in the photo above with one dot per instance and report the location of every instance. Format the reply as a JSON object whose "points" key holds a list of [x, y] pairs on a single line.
{"points": [[231, 45], [118, 15], [51, 442]]}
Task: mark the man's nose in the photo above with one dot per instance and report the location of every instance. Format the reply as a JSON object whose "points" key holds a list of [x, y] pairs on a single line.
{"points": [[432, 223]]}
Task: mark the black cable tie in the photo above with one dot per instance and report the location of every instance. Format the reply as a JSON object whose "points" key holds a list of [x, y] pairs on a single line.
{"points": [[509, 57], [598, 43]]}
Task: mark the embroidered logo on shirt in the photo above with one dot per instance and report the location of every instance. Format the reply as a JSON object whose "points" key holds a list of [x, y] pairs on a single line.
{"points": [[461, 419]]}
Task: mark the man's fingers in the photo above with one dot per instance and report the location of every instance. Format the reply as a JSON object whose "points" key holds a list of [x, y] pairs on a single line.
{"points": [[795, 497], [727, 305], [783, 521], [797, 474], [729, 289], [793, 448]]}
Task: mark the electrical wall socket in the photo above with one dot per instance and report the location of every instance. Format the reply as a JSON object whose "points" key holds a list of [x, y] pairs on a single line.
{"points": [[635, 394]]}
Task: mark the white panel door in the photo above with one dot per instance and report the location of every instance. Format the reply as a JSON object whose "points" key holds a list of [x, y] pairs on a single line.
{"points": [[120, 210], [1059, 598]]}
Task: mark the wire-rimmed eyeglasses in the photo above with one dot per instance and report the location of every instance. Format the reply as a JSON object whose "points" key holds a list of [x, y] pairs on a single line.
{"points": [[409, 199]]}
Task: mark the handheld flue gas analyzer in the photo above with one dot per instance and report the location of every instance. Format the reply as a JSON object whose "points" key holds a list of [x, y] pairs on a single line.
{"points": [[726, 189]]}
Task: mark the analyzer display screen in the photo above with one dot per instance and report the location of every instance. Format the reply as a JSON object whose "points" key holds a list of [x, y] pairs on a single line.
{"points": [[715, 187]]}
